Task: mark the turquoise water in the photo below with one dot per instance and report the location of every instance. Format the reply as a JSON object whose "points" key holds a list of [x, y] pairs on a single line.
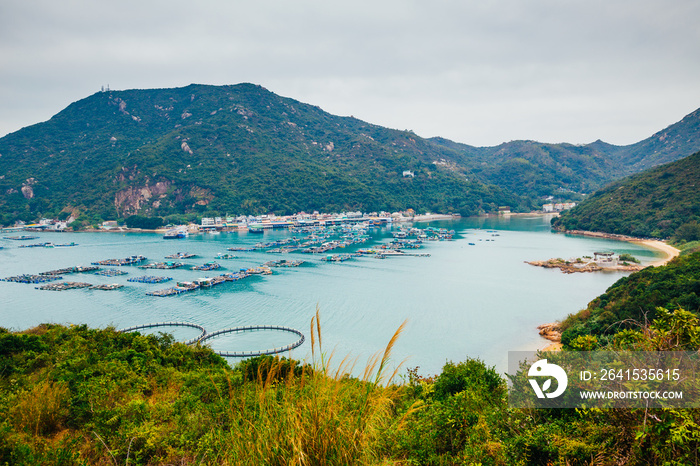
{"points": [[477, 300]]}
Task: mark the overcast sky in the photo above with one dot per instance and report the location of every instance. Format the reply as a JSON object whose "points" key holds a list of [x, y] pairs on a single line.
{"points": [[477, 72]]}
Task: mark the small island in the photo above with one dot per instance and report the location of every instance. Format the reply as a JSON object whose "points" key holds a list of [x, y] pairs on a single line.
{"points": [[601, 261]]}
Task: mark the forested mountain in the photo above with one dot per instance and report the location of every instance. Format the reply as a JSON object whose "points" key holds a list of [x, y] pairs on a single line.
{"points": [[530, 167], [243, 149], [228, 149], [661, 202]]}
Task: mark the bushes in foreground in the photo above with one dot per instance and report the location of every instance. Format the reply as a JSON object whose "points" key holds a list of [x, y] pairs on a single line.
{"points": [[75, 395]]}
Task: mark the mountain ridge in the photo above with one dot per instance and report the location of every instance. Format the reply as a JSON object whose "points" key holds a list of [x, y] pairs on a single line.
{"points": [[243, 149]]}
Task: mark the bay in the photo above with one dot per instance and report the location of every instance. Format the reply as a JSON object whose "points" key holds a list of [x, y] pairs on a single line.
{"points": [[465, 300]]}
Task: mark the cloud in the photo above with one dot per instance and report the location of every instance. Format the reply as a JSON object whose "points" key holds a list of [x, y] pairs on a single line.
{"points": [[477, 72]]}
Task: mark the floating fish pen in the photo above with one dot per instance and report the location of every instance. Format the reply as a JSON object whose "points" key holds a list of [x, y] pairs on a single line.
{"points": [[111, 272], [207, 266], [37, 245], [209, 282], [337, 257], [396, 253], [240, 248], [66, 245], [283, 263], [223, 255], [149, 279], [181, 255], [188, 286], [259, 271], [131, 260], [64, 286], [408, 243], [33, 278], [176, 290], [69, 270], [284, 250], [109, 287], [235, 276], [162, 265], [20, 238], [184, 287]]}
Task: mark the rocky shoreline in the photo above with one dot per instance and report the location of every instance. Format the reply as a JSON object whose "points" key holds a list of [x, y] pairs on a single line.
{"points": [[551, 332], [573, 266]]}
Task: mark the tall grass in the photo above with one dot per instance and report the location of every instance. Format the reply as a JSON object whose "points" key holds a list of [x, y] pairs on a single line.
{"points": [[41, 409], [318, 416], [114, 399]]}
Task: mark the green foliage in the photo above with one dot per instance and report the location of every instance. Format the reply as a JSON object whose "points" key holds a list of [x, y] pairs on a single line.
{"points": [[662, 202], [228, 149], [146, 223], [689, 231], [633, 300], [457, 418], [629, 258], [81, 396]]}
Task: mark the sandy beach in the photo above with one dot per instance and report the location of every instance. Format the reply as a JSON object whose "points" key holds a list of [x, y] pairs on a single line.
{"points": [[667, 249]]}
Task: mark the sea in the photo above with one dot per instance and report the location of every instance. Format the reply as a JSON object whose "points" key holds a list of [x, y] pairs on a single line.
{"points": [[473, 297]]}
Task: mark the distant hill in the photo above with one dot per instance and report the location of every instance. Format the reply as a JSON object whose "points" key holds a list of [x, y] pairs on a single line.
{"points": [[661, 202], [535, 168], [672, 143], [243, 149], [224, 149]]}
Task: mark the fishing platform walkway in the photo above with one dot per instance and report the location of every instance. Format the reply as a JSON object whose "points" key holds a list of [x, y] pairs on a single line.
{"points": [[228, 354]]}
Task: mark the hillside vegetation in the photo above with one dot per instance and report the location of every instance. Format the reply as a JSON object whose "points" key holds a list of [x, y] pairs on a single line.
{"points": [[245, 150], [662, 202], [75, 396], [633, 301], [230, 149]]}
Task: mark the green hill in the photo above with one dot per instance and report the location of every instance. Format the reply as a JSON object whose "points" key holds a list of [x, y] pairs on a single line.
{"points": [[243, 149], [661, 202], [632, 301], [540, 169], [235, 149]]}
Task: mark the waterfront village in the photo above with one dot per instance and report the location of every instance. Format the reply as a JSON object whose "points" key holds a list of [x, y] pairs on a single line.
{"points": [[263, 222], [321, 234], [251, 223]]}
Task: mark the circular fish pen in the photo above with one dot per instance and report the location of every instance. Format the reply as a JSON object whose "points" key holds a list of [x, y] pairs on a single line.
{"points": [[252, 328], [169, 324]]}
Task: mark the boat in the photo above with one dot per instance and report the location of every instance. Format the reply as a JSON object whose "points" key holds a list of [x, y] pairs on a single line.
{"points": [[175, 233], [181, 255]]}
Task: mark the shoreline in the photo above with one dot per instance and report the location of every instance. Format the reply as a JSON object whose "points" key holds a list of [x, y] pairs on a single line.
{"points": [[669, 252]]}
